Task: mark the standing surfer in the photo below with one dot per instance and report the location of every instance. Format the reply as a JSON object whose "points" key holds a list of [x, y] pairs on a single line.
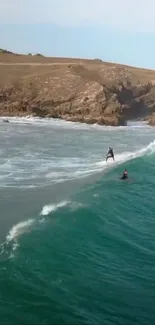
{"points": [[110, 154]]}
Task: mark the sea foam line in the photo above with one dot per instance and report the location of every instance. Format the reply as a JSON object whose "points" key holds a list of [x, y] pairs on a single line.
{"points": [[47, 209], [68, 124], [19, 229], [11, 242], [101, 166], [105, 165], [84, 170], [23, 227], [127, 156]]}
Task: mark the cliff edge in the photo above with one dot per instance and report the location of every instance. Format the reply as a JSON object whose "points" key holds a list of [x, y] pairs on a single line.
{"points": [[90, 91]]}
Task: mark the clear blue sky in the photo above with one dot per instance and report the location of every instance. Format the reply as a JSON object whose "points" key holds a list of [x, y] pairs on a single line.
{"points": [[106, 29]]}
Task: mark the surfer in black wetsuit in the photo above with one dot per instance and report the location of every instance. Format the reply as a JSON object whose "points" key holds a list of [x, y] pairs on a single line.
{"points": [[110, 154], [125, 174]]}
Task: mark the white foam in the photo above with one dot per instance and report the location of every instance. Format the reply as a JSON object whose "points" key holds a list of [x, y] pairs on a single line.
{"points": [[70, 171], [73, 125], [47, 209], [138, 124], [11, 241], [119, 159], [45, 121], [19, 229], [127, 156], [25, 168]]}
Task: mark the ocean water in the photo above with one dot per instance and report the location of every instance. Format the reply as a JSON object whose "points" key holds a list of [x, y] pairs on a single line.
{"points": [[77, 244]]}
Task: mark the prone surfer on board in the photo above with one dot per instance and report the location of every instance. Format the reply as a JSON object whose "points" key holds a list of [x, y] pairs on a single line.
{"points": [[110, 154], [125, 174]]}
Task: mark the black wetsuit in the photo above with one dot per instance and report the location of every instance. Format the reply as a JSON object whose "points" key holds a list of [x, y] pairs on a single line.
{"points": [[125, 176], [110, 154]]}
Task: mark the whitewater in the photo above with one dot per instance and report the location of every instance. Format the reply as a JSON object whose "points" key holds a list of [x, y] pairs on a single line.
{"points": [[21, 165], [76, 243]]}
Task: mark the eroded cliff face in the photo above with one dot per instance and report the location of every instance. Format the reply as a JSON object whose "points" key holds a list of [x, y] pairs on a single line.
{"points": [[90, 92]]}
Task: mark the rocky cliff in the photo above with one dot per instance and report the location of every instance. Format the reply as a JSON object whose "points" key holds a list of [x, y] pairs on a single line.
{"points": [[89, 91]]}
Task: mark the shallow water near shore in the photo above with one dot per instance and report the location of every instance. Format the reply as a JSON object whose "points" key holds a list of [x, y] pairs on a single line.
{"points": [[77, 244]]}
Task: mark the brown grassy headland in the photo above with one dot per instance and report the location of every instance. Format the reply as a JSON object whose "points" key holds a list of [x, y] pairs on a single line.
{"points": [[82, 90]]}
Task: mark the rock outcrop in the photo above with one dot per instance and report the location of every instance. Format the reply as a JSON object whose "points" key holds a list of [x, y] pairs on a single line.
{"points": [[151, 120], [89, 91]]}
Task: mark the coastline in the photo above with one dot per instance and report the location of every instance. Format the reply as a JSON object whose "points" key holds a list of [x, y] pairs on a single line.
{"points": [[75, 90], [30, 119]]}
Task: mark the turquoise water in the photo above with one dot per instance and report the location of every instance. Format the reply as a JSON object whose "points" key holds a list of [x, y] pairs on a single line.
{"points": [[77, 244]]}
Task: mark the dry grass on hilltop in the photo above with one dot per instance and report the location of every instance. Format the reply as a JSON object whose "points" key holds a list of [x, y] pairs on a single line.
{"points": [[74, 89]]}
